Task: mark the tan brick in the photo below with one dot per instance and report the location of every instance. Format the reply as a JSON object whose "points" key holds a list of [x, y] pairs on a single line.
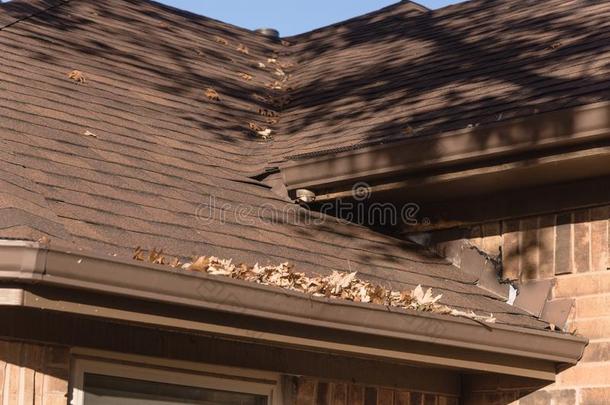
{"points": [[306, 391], [492, 238], [57, 358], [599, 238], [12, 383], [528, 248], [545, 397], [28, 389], [38, 388], [546, 246], [447, 401], [54, 385], [596, 352], [356, 394], [322, 394], [585, 375], [32, 356], [55, 399], [370, 396], [595, 396], [592, 328], [3, 367], [490, 398], [403, 398], [582, 284], [591, 307], [582, 241], [339, 394], [511, 265], [430, 399], [417, 398], [537, 398], [385, 397], [564, 263]]}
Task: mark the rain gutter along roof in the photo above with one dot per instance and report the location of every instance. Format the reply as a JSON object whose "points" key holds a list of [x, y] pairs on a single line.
{"points": [[512, 140], [316, 323]]}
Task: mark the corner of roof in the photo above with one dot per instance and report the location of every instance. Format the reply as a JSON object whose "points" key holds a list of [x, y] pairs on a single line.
{"points": [[417, 5]]}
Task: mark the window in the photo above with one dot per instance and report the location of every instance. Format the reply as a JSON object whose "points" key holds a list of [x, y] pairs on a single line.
{"points": [[116, 382]]}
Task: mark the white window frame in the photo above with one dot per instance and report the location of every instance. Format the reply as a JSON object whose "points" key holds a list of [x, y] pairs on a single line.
{"points": [[173, 372]]}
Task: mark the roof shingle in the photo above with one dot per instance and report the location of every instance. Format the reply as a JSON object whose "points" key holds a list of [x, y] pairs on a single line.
{"points": [[169, 167], [398, 73]]}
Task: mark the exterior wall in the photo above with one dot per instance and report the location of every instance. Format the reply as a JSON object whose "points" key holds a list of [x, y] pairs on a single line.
{"points": [[33, 374], [313, 392], [573, 249]]}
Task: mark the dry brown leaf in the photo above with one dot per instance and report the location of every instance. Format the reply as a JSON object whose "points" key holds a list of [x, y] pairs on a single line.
{"points": [[212, 94], [245, 76], [243, 49], [77, 76], [337, 285], [201, 264], [275, 85], [267, 113], [89, 133], [254, 126], [156, 257], [138, 254], [221, 41]]}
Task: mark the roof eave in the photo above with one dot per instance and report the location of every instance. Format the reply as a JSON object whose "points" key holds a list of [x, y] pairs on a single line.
{"points": [[391, 335], [331, 174]]}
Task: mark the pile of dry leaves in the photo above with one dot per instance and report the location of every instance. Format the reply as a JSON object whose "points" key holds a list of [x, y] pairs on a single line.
{"points": [[337, 285]]}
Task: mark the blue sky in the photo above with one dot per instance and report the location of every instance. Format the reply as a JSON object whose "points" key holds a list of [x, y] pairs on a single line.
{"points": [[288, 16]]}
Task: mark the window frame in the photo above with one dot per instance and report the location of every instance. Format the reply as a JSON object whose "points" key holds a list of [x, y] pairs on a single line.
{"points": [[172, 372]]}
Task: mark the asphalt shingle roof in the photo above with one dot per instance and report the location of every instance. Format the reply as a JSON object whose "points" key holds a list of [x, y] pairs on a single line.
{"points": [[401, 73], [136, 154]]}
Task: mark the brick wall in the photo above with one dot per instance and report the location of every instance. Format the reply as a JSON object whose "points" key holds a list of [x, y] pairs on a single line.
{"points": [[33, 374], [313, 392], [573, 249]]}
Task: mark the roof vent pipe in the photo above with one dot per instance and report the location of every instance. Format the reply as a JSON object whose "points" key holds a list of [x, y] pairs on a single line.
{"points": [[268, 32]]}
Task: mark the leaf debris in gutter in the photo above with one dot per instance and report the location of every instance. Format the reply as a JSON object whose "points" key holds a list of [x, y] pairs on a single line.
{"points": [[338, 285]]}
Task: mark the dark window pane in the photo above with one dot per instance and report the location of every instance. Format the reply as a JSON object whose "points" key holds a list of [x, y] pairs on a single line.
{"points": [[105, 390]]}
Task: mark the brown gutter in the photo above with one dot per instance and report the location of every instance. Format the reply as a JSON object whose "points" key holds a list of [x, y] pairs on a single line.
{"points": [[499, 349], [508, 140]]}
